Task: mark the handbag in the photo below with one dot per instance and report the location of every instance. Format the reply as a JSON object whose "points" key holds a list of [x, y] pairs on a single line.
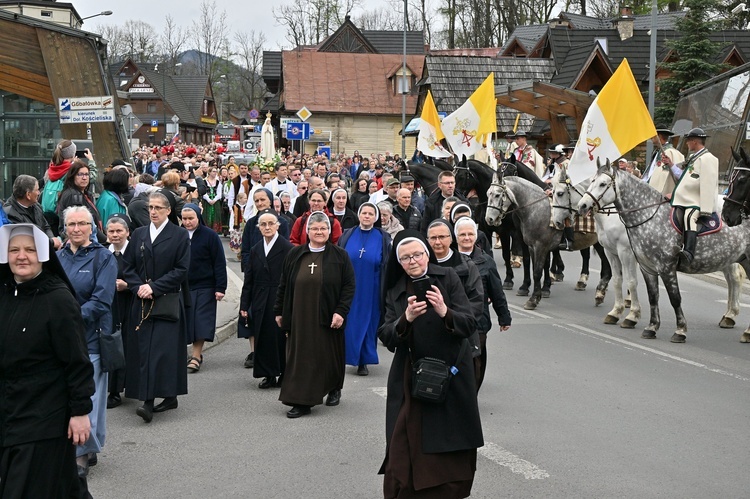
{"points": [[166, 307], [431, 377], [111, 352]]}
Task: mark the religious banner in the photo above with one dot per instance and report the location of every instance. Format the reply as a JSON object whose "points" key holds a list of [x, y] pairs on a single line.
{"points": [[430, 133], [616, 122], [471, 125]]}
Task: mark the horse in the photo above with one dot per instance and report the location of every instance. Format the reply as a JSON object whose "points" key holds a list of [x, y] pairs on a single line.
{"points": [[533, 209], [479, 177], [737, 201], [426, 174], [475, 176], [657, 247], [613, 237]]}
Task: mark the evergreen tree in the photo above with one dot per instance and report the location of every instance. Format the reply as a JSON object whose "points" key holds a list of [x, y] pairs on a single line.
{"points": [[693, 53]]}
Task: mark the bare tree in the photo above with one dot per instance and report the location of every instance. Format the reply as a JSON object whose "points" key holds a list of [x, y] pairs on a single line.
{"points": [[115, 41], [173, 43], [250, 58], [211, 31], [140, 40]]}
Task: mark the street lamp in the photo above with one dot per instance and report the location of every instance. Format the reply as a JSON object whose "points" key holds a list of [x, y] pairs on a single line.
{"points": [[102, 13], [221, 111], [164, 96]]}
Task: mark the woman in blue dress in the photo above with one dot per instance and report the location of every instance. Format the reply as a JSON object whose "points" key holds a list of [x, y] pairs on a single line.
{"points": [[368, 247]]}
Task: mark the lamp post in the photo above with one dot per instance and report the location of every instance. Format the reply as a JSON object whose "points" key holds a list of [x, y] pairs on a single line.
{"points": [[403, 95], [164, 96], [102, 13]]}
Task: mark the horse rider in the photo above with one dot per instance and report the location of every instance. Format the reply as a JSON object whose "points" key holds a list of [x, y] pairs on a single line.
{"points": [[658, 175], [510, 136], [697, 188], [557, 162], [527, 155]]}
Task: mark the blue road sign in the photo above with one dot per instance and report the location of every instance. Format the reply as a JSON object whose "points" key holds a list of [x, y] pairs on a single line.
{"points": [[154, 122], [298, 131]]}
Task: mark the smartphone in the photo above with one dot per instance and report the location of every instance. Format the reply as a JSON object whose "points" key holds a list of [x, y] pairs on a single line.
{"points": [[421, 286], [81, 154]]}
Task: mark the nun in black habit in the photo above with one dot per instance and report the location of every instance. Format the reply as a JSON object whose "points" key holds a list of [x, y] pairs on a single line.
{"points": [[258, 297], [156, 263], [431, 447]]}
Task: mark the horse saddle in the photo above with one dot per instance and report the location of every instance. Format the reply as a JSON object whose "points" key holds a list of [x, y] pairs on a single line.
{"points": [[706, 225]]}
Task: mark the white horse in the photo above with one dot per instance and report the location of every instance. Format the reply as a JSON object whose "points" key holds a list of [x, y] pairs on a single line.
{"points": [[613, 237]]}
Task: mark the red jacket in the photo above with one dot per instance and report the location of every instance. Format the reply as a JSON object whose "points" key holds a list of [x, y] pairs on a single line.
{"points": [[298, 236]]}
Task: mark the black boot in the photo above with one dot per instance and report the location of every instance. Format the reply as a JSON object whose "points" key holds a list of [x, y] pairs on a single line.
{"points": [[567, 243], [688, 251]]}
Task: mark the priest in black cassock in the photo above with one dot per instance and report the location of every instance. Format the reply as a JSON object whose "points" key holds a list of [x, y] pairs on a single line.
{"points": [[262, 277], [156, 262], [315, 293]]}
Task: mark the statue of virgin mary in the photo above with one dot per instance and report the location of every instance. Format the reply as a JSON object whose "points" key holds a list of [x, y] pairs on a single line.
{"points": [[267, 147]]}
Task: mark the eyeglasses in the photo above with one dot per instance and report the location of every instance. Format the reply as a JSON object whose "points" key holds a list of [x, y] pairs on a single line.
{"points": [[408, 258], [82, 175], [156, 208], [80, 225], [318, 229], [267, 224], [433, 239]]}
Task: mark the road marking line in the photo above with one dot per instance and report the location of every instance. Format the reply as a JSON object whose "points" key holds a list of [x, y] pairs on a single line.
{"points": [[744, 305], [381, 390], [495, 453], [656, 352], [234, 278], [529, 312], [500, 456]]}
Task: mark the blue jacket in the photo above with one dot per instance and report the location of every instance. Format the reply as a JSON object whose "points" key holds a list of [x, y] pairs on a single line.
{"points": [[93, 272], [3, 218]]}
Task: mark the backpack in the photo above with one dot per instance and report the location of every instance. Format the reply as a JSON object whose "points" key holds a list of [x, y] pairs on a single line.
{"points": [[51, 194]]}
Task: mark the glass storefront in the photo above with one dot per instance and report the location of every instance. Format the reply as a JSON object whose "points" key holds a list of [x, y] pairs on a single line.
{"points": [[721, 109], [29, 131]]}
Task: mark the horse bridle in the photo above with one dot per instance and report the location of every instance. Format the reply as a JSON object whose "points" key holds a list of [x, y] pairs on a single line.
{"points": [[744, 206], [504, 188], [596, 200]]}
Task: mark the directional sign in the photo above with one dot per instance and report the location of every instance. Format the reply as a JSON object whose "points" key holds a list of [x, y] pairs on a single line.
{"points": [[298, 131], [86, 109]]}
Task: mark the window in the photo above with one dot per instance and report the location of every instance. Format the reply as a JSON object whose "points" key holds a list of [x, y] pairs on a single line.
{"points": [[152, 108], [46, 13]]}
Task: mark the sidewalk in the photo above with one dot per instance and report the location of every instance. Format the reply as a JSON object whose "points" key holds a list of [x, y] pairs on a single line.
{"points": [[227, 310]]}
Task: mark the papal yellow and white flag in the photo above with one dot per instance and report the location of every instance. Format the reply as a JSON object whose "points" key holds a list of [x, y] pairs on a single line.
{"points": [[616, 122], [467, 128], [430, 133]]}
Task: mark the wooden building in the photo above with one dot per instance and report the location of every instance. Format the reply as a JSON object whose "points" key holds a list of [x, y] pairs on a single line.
{"points": [[353, 85], [41, 62], [156, 96]]}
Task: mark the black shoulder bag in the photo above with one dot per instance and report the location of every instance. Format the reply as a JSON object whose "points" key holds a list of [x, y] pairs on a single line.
{"points": [[111, 351], [164, 307], [431, 377]]}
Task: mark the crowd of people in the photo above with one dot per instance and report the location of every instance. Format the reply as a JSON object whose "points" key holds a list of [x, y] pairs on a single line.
{"points": [[336, 254]]}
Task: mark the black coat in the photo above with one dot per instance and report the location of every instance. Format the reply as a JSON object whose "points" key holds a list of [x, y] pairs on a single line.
{"points": [[453, 425], [433, 207], [337, 289], [156, 352], [45, 372], [138, 210], [18, 214], [348, 220], [262, 278], [410, 218], [493, 291], [251, 236]]}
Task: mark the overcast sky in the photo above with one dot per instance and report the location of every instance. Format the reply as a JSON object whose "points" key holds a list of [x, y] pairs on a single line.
{"points": [[242, 15]]}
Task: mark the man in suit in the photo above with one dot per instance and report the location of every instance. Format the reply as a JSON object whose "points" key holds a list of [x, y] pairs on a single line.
{"points": [[697, 188], [658, 174]]}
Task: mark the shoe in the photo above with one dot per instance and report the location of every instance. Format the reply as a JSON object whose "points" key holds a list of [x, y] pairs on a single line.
{"points": [[113, 400], [498, 245], [269, 382], [250, 360], [194, 364], [93, 460], [145, 412], [362, 370], [83, 471], [688, 251], [565, 245], [298, 411], [166, 404], [333, 398]]}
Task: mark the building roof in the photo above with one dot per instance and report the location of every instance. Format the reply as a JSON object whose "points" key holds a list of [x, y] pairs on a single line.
{"points": [[334, 82], [664, 20], [392, 42], [184, 94], [453, 79], [527, 35], [481, 52]]}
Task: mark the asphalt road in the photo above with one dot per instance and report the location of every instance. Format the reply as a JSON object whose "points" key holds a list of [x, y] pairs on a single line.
{"points": [[570, 408]]}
